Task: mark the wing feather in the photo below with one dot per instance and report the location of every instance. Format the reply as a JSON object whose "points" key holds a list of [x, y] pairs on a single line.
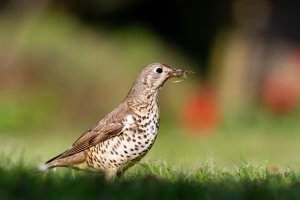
{"points": [[92, 138], [111, 126]]}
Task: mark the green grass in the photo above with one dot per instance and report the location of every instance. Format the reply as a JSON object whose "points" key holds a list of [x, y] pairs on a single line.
{"points": [[149, 180], [258, 164]]}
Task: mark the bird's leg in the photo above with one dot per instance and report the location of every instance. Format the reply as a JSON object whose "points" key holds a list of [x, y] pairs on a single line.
{"points": [[111, 174]]}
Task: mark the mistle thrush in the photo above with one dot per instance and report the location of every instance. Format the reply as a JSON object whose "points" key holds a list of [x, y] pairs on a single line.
{"points": [[127, 133]]}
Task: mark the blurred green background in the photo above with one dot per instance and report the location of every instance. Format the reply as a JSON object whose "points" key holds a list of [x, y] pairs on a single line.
{"points": [[65, 64]]}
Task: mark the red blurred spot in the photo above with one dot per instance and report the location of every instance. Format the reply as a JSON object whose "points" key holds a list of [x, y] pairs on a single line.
{"points": [[200, 112], [279, 94]]}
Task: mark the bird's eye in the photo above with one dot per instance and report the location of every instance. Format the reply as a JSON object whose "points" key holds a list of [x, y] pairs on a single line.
{"points": [[159, 70]]}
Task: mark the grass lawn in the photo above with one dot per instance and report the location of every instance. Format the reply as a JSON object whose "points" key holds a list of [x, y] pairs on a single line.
{"points": [[151, 181]]}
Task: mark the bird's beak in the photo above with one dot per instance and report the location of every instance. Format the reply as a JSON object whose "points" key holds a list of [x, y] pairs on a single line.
{"points": [[177, 72]]}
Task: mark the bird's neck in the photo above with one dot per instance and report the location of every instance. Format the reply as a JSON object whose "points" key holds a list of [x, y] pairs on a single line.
{"points": [[142, 98]]}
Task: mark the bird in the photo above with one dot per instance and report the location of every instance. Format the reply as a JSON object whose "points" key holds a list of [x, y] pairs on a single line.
{"points": [[125, 135]]}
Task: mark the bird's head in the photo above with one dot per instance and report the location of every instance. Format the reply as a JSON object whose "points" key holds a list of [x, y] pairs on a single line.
{"points": [[151, 79], [154, 75]]}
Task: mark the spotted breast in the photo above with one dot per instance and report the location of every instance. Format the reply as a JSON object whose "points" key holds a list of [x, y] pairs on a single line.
{"points": [[132, 144]]}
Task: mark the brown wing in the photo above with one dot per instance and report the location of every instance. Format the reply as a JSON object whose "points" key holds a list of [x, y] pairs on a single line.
{"points": [[110, 126], [93, 137]]}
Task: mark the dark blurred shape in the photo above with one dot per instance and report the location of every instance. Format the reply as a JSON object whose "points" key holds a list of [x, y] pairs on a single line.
{"points": [[285, 20], [3, 3], [190, 26], [251, 17]]}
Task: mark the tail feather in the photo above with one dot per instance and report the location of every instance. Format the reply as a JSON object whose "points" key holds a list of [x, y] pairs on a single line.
{"points": [[52, 159], [69, 161]]}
